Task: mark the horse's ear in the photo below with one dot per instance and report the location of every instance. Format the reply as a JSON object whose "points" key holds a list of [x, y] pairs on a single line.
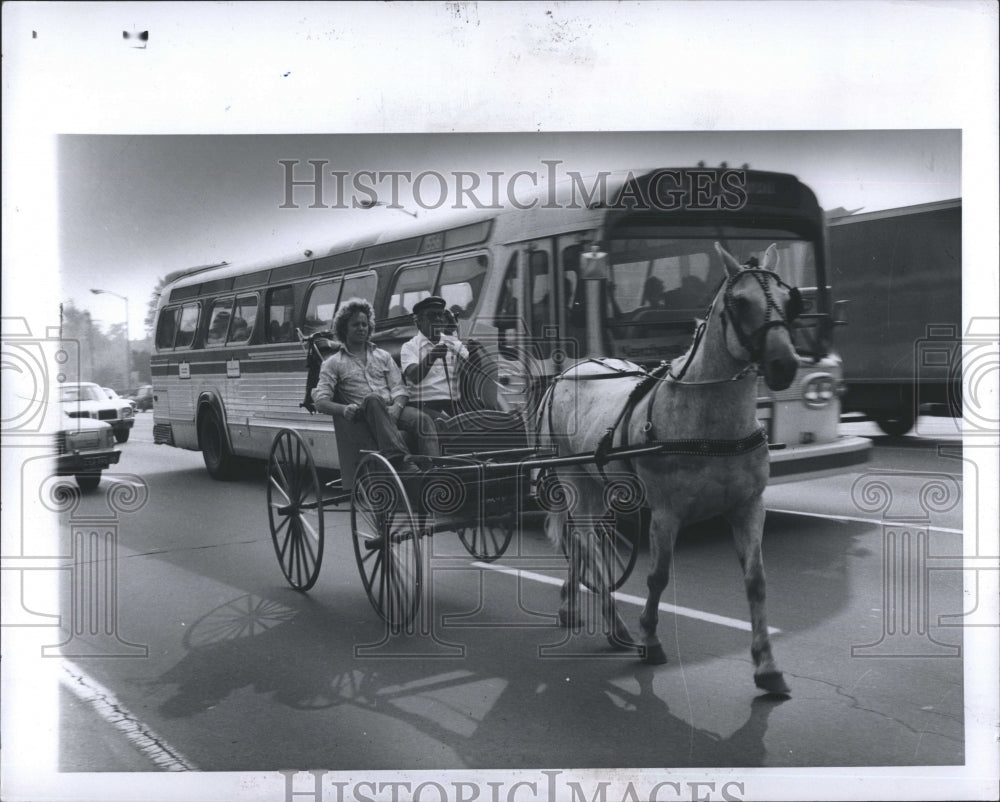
{"points": [[771, 258], [732, 266]]}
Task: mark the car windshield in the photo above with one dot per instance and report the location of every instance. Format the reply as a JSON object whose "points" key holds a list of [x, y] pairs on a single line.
{"points": [[80, 392]]}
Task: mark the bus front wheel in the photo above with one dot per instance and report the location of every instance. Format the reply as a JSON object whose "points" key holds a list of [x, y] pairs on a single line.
{"points": [[219, 460]]}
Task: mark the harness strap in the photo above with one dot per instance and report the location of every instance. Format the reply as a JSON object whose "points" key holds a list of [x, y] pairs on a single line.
{"points": [[604, 446], [713, 448]]}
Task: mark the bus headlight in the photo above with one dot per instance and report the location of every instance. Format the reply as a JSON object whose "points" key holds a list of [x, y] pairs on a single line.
{"points": [[818, 390]]}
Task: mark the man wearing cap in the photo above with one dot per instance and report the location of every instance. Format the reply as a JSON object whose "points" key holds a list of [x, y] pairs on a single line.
{"points": [[430, 359]]}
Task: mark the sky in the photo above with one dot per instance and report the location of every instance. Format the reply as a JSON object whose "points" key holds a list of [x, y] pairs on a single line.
{"points": [[133, 208]]}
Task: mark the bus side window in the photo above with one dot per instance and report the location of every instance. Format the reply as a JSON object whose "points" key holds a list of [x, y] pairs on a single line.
{"points": [[278, 312], [244, 317], [362, 286], [321, 306], [188, 326], [166, 329], [218, 321], [411, 285], [460, 284]]}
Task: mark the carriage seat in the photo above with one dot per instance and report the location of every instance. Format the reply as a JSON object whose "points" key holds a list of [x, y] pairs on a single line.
{"points": [[481, 430]]}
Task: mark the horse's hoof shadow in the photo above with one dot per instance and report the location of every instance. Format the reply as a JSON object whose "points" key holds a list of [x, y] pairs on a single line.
{"points": [[569, 620], [622, 642], [773, 682], [653, 655]]}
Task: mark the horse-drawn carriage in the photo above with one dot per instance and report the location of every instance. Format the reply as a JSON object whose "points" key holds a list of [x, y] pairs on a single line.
{"points": [[491, 470], [685, 437]]}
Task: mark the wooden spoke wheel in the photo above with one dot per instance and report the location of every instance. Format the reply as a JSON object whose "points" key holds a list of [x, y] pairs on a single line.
{"points": [[295, 509], [616, 537], [487, 539], [386, 541]]}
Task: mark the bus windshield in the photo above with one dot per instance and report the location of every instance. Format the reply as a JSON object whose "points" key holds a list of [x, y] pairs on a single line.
{"points": [[662, 279]]}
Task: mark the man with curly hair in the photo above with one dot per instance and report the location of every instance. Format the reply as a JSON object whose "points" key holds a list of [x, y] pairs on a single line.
{"points": [[368, 387]]}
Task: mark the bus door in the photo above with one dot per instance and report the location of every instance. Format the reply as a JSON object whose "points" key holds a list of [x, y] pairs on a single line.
{"points": [[571, 297], [540, 291], [527, 324]]}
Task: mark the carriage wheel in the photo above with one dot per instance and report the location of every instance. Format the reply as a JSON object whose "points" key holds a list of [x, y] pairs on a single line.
{"points": [[386, 541], [618, 537], [488, 539], [295, 509]]}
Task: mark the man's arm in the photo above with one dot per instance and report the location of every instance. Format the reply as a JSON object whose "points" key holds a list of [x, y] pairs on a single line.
{"points": [[417, 369], [397, 390], [322, 394]]}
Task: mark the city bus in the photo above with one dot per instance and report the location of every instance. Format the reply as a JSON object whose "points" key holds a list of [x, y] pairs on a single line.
{"points": [[229, 367]]}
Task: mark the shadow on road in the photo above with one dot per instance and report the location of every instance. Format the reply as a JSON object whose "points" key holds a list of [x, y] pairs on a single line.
{"points": [[494, 708]]}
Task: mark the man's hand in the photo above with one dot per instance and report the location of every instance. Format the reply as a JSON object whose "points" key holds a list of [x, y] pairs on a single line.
{"points": [[351, 411], [395, 410], [439, 351]]}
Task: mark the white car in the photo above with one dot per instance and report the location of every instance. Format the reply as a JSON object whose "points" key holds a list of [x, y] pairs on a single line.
{"points": [[88, 400], [114, 396], [84, 447]]}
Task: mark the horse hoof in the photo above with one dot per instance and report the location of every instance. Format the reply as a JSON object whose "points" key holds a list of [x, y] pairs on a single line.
{"points": [[654, 655], [772, 682]]}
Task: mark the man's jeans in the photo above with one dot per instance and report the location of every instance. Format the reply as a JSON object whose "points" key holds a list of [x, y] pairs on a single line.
{"points": [[387, 432]]}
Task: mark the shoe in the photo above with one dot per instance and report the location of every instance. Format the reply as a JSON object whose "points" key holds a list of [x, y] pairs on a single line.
{"points": [[405, 466]]}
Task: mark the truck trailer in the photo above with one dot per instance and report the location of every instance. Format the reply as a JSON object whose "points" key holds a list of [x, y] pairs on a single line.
{"points": [[898, 274]]}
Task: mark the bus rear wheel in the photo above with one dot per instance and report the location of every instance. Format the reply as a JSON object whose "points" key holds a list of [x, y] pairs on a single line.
{"points": [[219, 460]]}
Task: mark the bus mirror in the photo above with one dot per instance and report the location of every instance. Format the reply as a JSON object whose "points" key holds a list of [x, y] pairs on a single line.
{"points": [[840, 313], [594, 265]]}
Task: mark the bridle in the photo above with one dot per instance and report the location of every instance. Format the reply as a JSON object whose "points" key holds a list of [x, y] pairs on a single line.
{"points": [[775, 316], [752, 342]]}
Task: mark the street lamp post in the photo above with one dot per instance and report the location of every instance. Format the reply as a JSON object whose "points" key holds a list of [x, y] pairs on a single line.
{"points": [[128, 348]]}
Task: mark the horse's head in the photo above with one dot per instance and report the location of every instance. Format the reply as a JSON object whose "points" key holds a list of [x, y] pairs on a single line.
{"points": [[758, 308]]}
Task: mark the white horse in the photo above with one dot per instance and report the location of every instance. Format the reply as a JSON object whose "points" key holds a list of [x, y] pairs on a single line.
{"points": [[713, 458]]}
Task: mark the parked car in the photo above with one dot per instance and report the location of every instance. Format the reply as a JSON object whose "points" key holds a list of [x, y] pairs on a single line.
{"points": [[88, 400], [84, 446], [143, 397], [114, 396]]}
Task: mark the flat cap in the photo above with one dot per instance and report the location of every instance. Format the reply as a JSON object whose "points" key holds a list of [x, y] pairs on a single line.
{"points": [[430, 302]]}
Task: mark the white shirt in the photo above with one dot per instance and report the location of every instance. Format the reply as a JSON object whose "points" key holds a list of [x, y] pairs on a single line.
{"points": [[434, 386]]}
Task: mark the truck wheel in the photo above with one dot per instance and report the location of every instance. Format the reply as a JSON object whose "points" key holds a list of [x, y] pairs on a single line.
{"points": [[121, 435], [896, 424], [88, 481], [219, 460]]}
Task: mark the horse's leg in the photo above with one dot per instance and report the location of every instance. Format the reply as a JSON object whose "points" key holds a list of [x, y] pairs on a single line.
{"points": [[748, 529], [560, 535], [662, 533], [617, 632]]}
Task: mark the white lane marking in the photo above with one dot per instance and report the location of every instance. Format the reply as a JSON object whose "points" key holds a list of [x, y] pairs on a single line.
{"points": [[689, 612], [875, 521], [107, 706]]}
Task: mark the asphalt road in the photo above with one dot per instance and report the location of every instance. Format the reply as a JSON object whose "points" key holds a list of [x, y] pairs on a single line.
{"points": [[209, 661]]}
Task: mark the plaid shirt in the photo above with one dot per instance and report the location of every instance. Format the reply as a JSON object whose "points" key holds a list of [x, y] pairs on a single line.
{"points": [[353, 379]]}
